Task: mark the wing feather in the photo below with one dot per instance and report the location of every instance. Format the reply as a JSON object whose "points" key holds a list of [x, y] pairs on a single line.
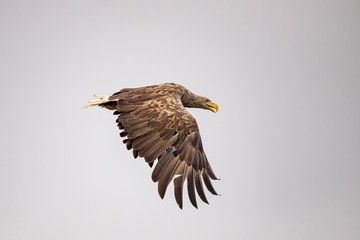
{"points": [[170, 170], [163, 161], [199, 187], [139, 132], [145, 140], [191, 188], [208, 184], [135, 126], [159, 148], [178, 185]]}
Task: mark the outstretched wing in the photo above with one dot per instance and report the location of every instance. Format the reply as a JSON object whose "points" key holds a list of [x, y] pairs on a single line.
{"points": [[158, 127]]}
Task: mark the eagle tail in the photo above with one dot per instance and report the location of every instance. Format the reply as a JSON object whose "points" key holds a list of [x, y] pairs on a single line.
{"points": [[102, 101]]}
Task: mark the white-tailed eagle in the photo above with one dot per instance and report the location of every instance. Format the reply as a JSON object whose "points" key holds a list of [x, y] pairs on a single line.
{"points": [[157, 126]]}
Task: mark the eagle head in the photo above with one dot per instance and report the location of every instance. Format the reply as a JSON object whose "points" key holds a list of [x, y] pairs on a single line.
{"points": [[192, 100]]}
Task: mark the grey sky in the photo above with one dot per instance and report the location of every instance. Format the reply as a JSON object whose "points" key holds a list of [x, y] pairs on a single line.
{"points": [[285, 142]]}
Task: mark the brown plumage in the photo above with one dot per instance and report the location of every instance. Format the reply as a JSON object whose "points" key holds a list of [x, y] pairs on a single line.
{"points": [[157, 126]]}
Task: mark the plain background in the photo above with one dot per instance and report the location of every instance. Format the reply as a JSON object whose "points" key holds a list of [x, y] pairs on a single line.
{"points": [[285, 142]]}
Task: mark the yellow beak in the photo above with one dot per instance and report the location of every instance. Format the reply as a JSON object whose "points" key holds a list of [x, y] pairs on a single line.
{"points": [[212, 106]]}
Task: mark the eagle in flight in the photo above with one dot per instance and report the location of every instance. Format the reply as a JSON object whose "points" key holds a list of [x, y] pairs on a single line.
{"points": [[156, 125]]}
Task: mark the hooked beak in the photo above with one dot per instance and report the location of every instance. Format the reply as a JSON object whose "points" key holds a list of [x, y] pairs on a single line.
{"points": [[212, 106]]}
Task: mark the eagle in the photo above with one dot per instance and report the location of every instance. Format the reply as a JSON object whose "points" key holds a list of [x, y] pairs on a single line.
{"points": [[156, 126]]}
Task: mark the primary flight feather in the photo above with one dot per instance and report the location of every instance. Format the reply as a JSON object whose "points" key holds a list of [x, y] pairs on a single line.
{"points": [[157, 126]]}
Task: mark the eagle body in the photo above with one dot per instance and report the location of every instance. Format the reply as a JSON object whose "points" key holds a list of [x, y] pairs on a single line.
{"points": [[156, 126]]}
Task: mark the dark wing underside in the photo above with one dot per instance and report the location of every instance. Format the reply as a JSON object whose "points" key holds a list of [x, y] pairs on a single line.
{"points": [[158, 127]]}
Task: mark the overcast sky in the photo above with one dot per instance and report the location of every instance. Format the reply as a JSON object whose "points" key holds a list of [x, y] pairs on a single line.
{"points": [[285, 141]]}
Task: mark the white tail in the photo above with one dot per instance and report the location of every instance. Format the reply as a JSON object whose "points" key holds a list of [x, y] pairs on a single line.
{"points": [[100, 100]]}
